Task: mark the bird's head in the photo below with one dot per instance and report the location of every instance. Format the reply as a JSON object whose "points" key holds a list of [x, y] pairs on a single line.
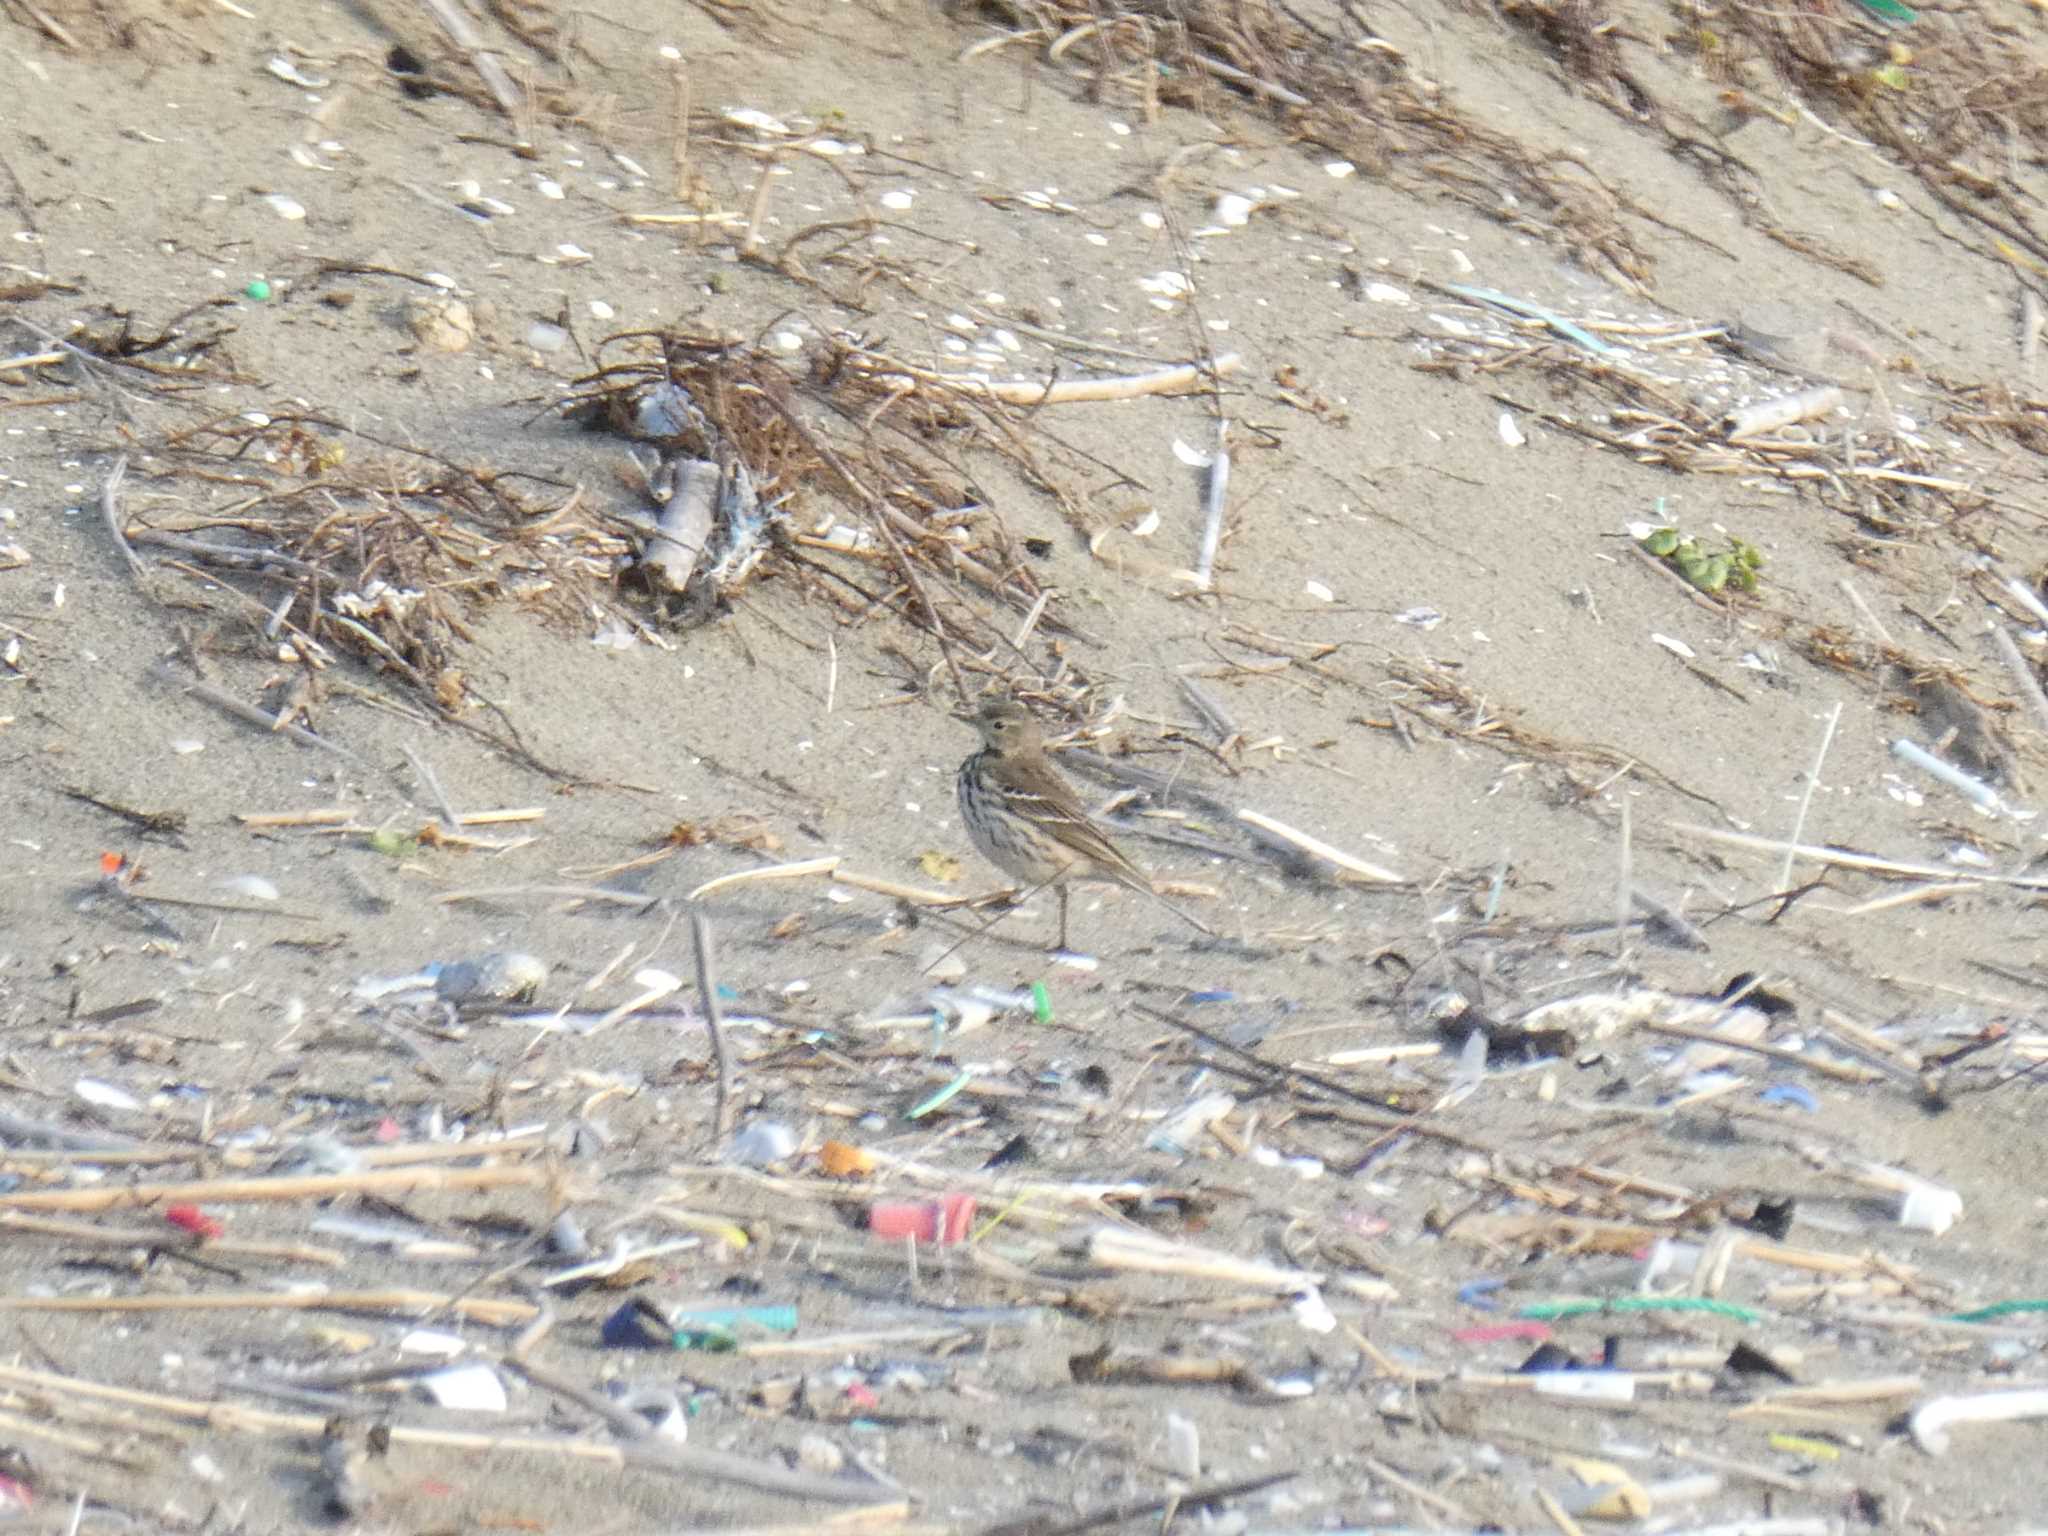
{"points": [[1007, 728]]}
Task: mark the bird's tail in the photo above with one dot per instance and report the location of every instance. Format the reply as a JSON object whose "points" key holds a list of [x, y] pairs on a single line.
{"points": [[1177, 910]]}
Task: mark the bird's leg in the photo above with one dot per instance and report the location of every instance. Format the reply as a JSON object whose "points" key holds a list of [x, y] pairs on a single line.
{"points": [[1062, 888]]}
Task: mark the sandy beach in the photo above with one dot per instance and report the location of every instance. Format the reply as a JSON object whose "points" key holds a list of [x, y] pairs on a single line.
{"points": [[1595, 700]]}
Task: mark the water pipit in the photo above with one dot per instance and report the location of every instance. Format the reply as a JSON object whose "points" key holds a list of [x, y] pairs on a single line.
{"points": [[1026, 819]]}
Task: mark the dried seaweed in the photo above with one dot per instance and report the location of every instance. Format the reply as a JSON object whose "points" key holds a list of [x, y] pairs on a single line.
{"points": [[1347, 91], [864, 452], [1888, 480], [1956, 98], [380, 555]]}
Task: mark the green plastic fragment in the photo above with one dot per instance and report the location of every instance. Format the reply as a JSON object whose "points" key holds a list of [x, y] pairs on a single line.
{"points": [[1041, 1003], [258, 290], [939, 1100], [1996, 1310], [1548, 1310], [1891, 10], [722, 1328]]}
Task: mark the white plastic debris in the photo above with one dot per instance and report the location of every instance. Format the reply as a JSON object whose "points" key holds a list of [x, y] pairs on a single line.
{"points": [[1472, 1060], [1781, 411], [321, 1153], [1931, 1420], [1929, 1208], [1924, 1206], [500, 977], [359, 1229], [1313, 1313], [104, 1095], [431, 1341], [1971, 788], [818, 1455], [1592, 1386], [1181, 1130], [752, 117], [254, 887], [1300, 1167], [762, 1142], [286, 207], [1510, 434], [626, 1252], [475, 1387], [287, 71], [654, 984], [940, 964], [1183, 1447], [566, 1237], [1234, 210]]}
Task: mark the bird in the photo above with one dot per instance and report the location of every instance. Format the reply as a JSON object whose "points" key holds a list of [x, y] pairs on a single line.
{"points": [[1025, 818]]}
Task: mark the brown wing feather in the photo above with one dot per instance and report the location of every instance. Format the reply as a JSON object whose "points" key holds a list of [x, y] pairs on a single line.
{"points": [[1036, 789]]}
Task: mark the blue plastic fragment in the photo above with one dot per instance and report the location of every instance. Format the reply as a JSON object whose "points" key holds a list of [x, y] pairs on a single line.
{"points": [[636, 1326], [1796, 1094], [1551, 318], [1473, 1293]]}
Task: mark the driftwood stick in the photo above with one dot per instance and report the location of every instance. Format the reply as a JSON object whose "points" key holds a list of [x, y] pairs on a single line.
{"points": [[465, 37], [481, 1309], [143, 1237], [110, 510], [1163, 381], [714, 1026], [681, 1461], [312, 1186], [222, 700]]}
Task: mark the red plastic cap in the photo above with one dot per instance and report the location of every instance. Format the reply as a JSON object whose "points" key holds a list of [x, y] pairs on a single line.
{"points": [[945, 1220]]}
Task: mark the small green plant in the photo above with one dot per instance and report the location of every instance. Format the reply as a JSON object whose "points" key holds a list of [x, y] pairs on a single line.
{"points": [[394, 844], [1735, 567]]}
